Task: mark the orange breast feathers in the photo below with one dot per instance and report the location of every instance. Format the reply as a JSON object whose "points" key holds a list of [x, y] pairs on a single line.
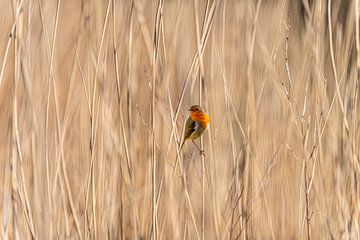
{"points": [[201, 117]]}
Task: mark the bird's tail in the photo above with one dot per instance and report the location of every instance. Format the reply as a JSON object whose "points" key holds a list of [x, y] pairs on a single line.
{"points": [[182, 144]]}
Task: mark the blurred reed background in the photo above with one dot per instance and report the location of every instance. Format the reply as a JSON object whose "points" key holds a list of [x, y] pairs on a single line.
{"points": [[93, 96]]}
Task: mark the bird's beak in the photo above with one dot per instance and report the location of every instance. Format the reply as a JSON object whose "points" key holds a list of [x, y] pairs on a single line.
{"points": [[189, 109]]}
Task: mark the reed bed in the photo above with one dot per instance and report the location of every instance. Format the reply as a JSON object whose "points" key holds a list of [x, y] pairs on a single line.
{"points": [[94, 95]]}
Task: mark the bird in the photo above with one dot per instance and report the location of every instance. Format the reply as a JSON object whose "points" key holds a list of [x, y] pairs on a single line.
{"points": [[195, 125]]}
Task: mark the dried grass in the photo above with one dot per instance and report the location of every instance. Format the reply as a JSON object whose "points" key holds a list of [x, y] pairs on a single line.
{"points": [[93, 96]]}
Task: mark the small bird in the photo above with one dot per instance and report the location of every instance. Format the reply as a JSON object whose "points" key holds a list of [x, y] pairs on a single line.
{"points": [[195, 125]]}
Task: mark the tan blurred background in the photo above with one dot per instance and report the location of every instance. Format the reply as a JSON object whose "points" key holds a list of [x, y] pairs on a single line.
{"points": [[93, 96]]}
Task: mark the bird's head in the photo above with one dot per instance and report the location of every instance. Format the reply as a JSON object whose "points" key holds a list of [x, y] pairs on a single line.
{"points": [[196, 109], [198, 114]]}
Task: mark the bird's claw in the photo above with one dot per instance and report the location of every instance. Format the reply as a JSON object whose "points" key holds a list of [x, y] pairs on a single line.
{"points": [[202, 153]]}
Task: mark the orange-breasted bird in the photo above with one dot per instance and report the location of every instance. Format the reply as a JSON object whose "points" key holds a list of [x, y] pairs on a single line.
{"points": [[195, 125]]}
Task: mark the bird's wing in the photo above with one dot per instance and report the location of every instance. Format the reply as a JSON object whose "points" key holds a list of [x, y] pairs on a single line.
{"points": [[190, 127]]}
